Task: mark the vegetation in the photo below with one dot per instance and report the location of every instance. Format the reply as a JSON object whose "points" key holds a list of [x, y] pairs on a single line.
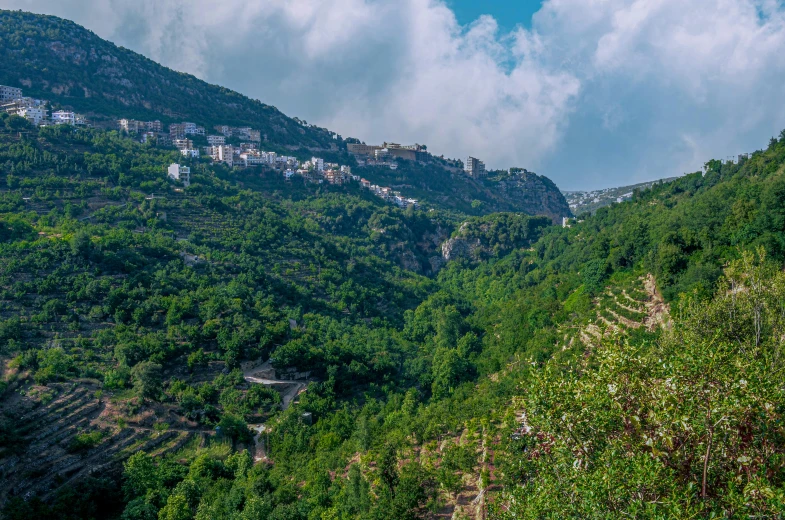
{"points": [[626, 366]]}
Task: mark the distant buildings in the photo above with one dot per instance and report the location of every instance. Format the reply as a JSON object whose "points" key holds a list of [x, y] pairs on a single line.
{"points": [[132, 126], [318, 164], [9, 93], [62, 117], [180, 174], [415, 152], [216, 140], [34, 110], [475, 168]]}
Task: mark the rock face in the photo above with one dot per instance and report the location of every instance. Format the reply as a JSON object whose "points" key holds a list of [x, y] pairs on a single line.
{"points": [[493, 236], [534, 194], [456, 248]]}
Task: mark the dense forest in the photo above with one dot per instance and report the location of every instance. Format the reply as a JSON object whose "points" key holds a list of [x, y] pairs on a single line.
{"points": [[478, 380], [251, 348]]}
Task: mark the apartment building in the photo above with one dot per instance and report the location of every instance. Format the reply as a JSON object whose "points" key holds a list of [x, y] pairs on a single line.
{"points": [[216, 140], [224, 129], [153, 126], [177, 131], [34, 110], [180, 173], [183, 144], [9, 93], [318, 164], [475, 168]]}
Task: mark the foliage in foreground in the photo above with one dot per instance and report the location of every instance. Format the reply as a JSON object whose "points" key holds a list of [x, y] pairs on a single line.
{"points": [[691, 426]]}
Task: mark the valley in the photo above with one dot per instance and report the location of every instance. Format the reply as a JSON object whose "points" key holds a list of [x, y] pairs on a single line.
{"points": [[249, 346]]}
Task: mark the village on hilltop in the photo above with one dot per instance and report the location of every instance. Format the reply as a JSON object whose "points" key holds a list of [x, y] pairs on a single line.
{"points": [[245, 152]]}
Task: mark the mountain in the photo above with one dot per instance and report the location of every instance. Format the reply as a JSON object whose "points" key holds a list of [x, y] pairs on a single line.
{"points": [[64, 63], [590, 201], [248, 347], [60, 61]]}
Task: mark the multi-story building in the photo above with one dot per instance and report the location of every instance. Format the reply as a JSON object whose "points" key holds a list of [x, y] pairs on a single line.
{"points": [[130, 126], [252, 158], [190, 152], [177, 130], [224, 129], [153, 126], [224, 154], [216, 140], [34, 110], [63, 117], [361, 149], [334, 177], [475, 168], [9, 93], [318, 164], [180, 173], [183, 144]]}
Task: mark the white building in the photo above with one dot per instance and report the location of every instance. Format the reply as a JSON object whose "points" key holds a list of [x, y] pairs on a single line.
{"points": [[180, 173], [224, 154], [190, 152], [189, 128], [63, 117], [475, 168], [318, 164], [253, 159], [9, 93], [34, 110], [35, 115], [216, 140]]}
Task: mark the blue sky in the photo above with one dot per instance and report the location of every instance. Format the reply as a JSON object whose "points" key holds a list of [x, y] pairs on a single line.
{"points": [[591, 93], [508, 13]]}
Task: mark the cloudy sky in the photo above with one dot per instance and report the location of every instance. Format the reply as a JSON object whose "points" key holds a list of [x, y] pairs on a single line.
{"points": [[592, 93]]}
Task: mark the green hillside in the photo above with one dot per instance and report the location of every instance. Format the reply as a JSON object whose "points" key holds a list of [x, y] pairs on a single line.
{"points": [[250, 348], [69, 66], [60, 61]]}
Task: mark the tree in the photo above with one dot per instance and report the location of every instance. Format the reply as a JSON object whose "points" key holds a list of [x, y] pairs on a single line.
{"points": [[147, 377]]}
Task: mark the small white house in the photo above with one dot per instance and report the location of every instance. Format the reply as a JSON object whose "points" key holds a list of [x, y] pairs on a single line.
{"points": [[190, 152], [180, 174]]}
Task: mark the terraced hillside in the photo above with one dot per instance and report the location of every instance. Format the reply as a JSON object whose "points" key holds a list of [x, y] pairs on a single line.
{"points": [[636, 306], [67, 432]]}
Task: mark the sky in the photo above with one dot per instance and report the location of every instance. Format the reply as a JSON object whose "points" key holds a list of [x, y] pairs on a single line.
{"points": [[591, 93]]}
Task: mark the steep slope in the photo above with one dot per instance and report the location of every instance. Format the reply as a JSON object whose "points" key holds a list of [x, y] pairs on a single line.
{"points": [[590, 201], [64, 63], [61, 61], [441, 185]]}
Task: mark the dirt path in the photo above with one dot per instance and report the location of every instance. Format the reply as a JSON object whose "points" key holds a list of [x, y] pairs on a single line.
{"points": [[264, 374]]}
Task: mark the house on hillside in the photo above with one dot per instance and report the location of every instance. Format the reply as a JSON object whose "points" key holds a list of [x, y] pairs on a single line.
{"points": [[180, 173]]}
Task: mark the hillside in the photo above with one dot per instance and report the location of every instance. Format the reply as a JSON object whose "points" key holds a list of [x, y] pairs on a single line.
{"points": [[590, 201], [60, 61], [450, 189], [63, 63], [251, 348]]}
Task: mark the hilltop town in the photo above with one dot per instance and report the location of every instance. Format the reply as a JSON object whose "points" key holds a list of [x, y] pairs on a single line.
{"points": [[240, 148]]}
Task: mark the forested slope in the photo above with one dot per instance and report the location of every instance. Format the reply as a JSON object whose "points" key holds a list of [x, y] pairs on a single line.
{"points": [[58, 60], [626, 366]]}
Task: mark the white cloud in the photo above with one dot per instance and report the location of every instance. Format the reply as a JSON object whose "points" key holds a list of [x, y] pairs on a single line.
{"points": [[598, 92]]}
